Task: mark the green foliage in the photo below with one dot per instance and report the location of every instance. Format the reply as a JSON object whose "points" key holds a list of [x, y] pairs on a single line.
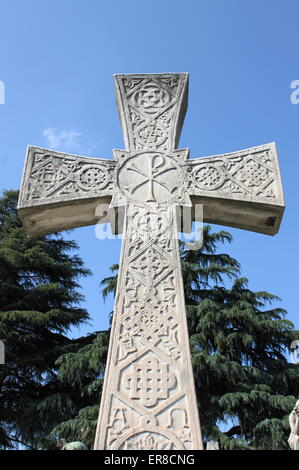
{"points": [[39, 303], [51, 385], [238, 345], [85, 370]]}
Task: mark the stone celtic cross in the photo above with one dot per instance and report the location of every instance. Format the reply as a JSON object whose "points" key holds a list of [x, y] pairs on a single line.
{"points": [[148, 399]]}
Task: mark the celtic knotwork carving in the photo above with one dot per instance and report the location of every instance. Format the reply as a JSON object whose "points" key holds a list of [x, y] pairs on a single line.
{"points": [[150, 224], [151, 135], [242, 174], [252, 173], [92, 177], [155, 322], [150, 98], [55, 175], [150, 264], [151, 110], [150, 327], [48, 173], [149, 381], [158, 333], [208, 177]]}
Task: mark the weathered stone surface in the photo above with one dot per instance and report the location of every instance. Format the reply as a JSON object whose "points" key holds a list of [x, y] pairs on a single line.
{"points": [[2, 352], [61, 191], [148, 399], [240, 189], [76, 445], [212, 445], [294, 425]]}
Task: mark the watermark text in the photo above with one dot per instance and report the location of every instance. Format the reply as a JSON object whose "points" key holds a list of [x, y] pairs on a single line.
{"points": [[295, 94], [152, 223]]}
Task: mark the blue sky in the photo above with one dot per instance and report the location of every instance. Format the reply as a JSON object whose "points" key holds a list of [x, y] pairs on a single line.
{"points": [[57, 58]]}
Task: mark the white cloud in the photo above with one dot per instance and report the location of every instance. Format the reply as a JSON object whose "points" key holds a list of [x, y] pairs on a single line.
{"points": [[67, 141]]}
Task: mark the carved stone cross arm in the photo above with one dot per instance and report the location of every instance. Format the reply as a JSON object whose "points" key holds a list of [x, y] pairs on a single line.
{"points": [[241, 189], [60, 191]]}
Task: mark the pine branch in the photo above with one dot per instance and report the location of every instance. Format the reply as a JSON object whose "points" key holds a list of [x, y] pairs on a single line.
{"points": [[22, 443], [235, 430]]}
